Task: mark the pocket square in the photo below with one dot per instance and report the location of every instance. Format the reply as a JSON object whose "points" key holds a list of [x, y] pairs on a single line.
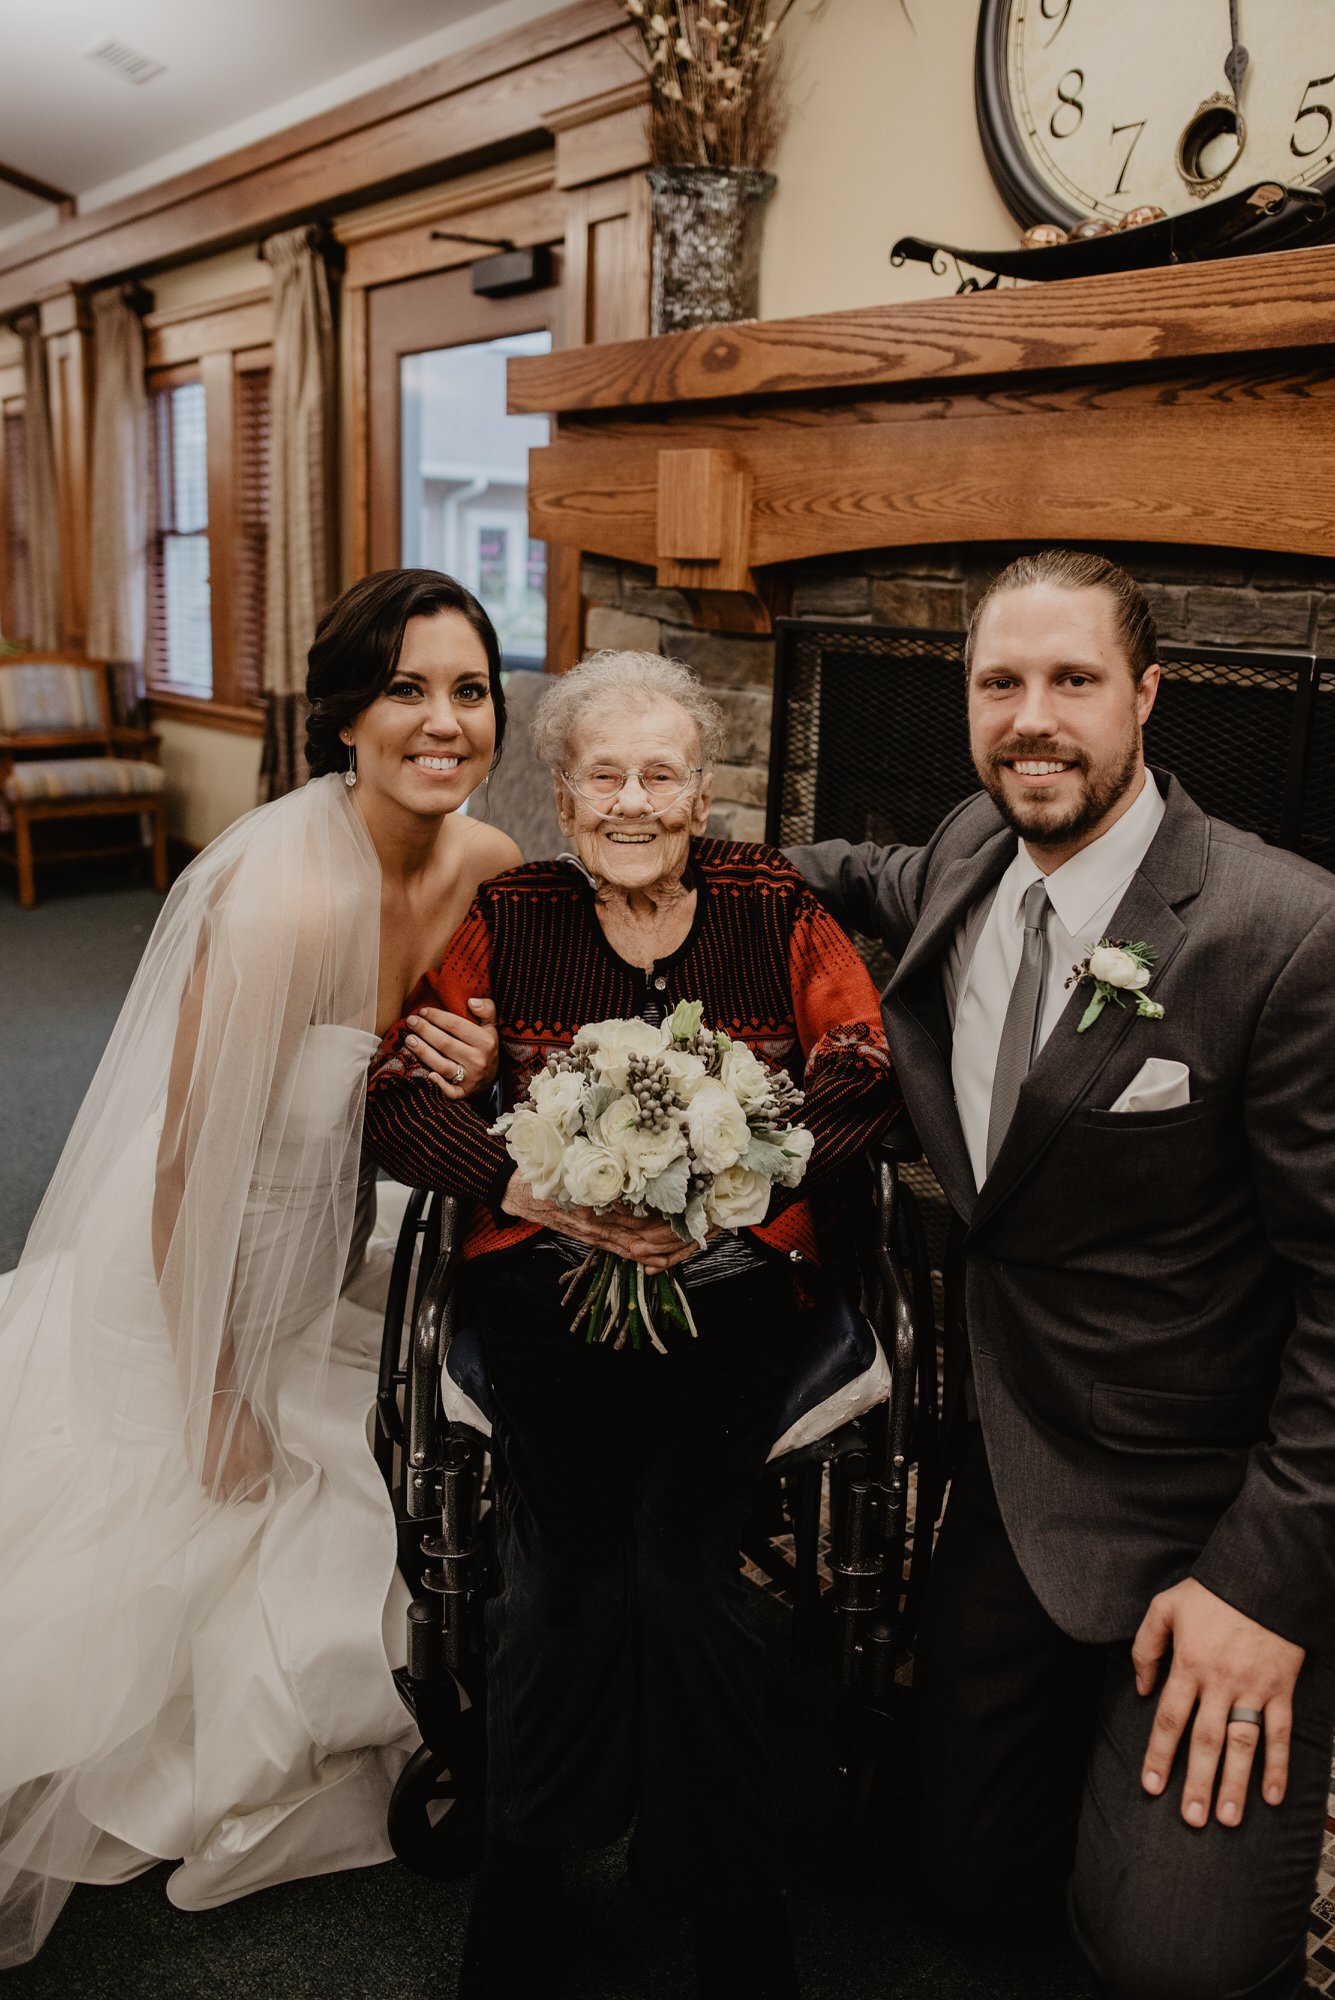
{"points": [[1158, 1085]]}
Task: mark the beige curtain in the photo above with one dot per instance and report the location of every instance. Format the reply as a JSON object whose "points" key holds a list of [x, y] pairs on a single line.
{"points": [[43, 513], [118, 523], [302, 521]]}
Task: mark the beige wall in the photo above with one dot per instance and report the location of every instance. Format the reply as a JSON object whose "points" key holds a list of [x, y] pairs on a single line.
{"points": [[232, 271], [212, 777], [882, 142]]}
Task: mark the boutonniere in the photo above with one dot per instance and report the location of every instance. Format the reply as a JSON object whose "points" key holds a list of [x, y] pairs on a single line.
{"points": [[1117, 969]]}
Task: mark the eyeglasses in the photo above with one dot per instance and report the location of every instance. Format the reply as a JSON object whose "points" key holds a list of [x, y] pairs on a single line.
{"points": [[664, 783]]}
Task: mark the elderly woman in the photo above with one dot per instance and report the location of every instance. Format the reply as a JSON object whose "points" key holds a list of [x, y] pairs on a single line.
{"points": [[622, 1676]]}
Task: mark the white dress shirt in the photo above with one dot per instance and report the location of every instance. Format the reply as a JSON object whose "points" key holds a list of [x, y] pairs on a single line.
{"points": [[985, 952]]}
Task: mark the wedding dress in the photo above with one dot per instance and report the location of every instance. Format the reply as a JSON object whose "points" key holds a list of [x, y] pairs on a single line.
{"points": [[189, 1672]]}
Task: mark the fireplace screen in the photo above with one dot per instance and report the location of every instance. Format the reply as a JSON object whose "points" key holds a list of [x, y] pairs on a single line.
{"points": [[870, 740]]}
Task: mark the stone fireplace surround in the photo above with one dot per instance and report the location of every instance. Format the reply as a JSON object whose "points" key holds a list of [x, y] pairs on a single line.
{"points": [[1199, 596]]}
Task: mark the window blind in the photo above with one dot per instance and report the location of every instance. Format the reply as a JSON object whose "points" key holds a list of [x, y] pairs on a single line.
{"points": [[252, 528], [180, 640]]}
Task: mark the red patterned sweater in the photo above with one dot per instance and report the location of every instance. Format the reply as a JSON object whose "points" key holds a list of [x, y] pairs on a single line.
{"points": [[769, 963]]}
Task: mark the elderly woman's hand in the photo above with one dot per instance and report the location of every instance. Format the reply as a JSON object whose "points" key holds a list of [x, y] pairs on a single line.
{"points": [[654, 1244], [463, 1055]]}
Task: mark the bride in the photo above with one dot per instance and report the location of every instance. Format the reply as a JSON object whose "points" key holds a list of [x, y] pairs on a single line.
{"points": [[197, 1558]]}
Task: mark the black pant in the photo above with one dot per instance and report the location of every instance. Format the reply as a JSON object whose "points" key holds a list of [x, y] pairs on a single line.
{"points": [[1030, 1752], [621, 1673]]}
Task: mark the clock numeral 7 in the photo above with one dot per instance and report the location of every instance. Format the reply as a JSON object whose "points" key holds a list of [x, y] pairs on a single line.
{"points": [[1050, 13], [1071, 99], [1306, 110], [1135, 126]]}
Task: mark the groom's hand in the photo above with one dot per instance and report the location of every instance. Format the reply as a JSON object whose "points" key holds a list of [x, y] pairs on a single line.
{"points": [[1222, 1660], [463, 1055]]}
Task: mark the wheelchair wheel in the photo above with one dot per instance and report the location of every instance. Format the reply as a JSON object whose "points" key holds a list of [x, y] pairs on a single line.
{"points": [[435, 1821]]}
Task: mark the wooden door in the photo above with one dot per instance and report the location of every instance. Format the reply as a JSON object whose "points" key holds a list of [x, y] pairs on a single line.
{"points": [[430, 341]]}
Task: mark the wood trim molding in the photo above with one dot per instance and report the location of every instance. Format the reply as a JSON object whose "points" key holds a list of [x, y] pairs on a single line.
{"points": [[439, 121], [603, 136], [162, 704], [530, 209], [188, 333], [1234, 306], [507, 183]]}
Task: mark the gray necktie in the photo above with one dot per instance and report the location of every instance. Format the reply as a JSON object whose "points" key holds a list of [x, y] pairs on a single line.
{"points": [[1019, 1033]]}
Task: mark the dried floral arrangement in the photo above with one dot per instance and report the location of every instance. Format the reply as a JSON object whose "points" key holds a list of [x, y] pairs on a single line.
{"points": [[715, 79]]}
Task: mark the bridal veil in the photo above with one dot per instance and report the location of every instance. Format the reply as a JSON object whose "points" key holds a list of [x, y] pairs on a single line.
{"points": [[180, 1279]]}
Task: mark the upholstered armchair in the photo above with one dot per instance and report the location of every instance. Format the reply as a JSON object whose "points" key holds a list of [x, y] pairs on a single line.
{"points": [[63, 759]]}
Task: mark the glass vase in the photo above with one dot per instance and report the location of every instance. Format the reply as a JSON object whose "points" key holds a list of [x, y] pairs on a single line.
{"points": [[706, 267]]}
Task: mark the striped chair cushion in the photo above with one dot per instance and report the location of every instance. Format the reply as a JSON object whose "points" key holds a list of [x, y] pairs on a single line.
{"points": [[45, 695], [81, 778]]}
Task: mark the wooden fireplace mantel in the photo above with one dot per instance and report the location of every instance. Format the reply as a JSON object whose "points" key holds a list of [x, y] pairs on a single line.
{"points": [[1189, 405]]}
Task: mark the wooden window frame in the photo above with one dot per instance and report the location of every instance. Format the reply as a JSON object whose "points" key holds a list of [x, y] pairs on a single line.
{"points": [[215, 344]]}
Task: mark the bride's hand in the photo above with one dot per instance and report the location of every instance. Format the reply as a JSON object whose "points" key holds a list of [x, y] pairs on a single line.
{"points": [[656, 1245], [464, 1055], [238, 1457]]}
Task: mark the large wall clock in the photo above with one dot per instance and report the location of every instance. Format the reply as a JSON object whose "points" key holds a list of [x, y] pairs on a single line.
{"points": [[1093, 109]]}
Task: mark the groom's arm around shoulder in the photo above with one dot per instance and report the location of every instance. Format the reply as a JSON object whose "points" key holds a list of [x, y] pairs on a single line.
{"points": [[1272, 1554], [876, 891]]}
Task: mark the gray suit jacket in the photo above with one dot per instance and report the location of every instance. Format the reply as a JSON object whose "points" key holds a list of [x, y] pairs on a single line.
{"points": [[1150, 1297]]}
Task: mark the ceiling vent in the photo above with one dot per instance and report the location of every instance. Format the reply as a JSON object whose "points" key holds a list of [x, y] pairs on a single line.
{"points": [[126, 62]]}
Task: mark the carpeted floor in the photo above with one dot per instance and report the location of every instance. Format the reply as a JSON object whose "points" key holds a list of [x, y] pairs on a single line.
{"points": [[64, 970]]}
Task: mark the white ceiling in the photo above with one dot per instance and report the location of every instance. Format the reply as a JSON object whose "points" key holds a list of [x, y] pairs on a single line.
{"points": [[233, 72]]}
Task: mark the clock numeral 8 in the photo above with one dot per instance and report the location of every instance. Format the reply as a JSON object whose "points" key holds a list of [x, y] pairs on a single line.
{"points": [[1306, 110], [1070, 98]]}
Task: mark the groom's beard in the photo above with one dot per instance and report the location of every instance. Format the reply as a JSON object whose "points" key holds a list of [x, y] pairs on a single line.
{"points": [[1048, 822]]}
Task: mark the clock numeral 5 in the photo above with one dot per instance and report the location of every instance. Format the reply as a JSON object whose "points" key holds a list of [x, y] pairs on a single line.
{"points": [[1071, 99], [1306, 110], [1050, 13]]}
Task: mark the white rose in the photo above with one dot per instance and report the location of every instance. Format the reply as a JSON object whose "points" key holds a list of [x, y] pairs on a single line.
{"points": [[558, 1097], [595, 1176], [687, 1072], [612, 1043], [643, 1152], [648, 1154], [1116, 967], [797, 1144], [717, 1126], [616, 1123], [743, 1073], [537, 1147], [737, 1198]]}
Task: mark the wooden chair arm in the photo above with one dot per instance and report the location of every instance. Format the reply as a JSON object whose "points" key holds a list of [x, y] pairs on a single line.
{"points": [[146, 740], [55, 739]]}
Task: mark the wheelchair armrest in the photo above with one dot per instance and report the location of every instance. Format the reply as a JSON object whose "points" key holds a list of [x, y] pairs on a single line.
{"points": [[430, 1338], [899, 1141]]}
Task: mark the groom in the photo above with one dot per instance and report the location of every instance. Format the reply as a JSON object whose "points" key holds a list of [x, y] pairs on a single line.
{"points": [[1124, 1674]]}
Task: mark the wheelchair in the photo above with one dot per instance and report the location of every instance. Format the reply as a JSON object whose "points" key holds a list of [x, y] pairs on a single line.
{"points": [[861, 1426]]}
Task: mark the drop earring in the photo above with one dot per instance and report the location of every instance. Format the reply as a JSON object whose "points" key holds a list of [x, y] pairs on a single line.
{"points": [[350, 775]]}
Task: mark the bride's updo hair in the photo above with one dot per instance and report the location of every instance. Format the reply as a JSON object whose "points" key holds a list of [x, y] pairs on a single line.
{"points": [[357, 647]]}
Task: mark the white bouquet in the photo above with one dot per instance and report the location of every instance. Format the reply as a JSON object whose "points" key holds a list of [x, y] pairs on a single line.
{"points": [[679, 1121]]}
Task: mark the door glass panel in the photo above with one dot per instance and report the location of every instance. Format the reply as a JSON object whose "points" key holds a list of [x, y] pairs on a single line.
{"points": [[465, 484]]}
